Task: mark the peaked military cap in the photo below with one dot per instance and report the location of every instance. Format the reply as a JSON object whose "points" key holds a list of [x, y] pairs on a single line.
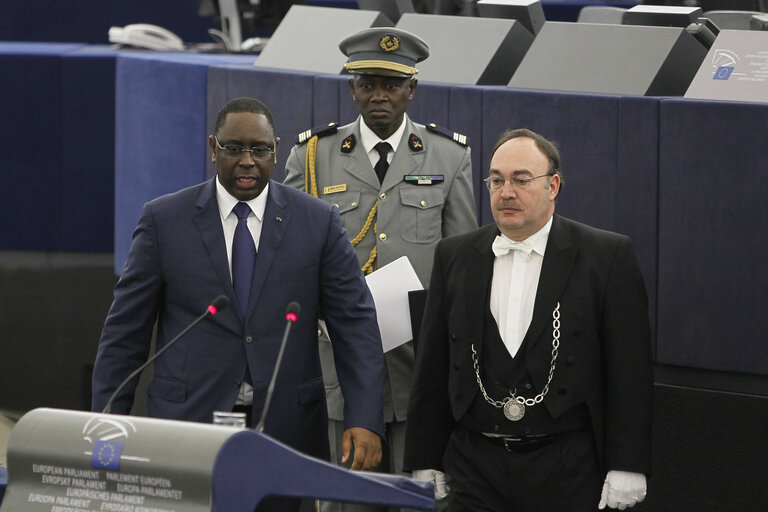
{"points": [[384, 51]]}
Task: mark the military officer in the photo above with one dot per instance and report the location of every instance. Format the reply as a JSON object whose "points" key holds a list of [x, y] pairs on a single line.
{"points": [[400, 187]]}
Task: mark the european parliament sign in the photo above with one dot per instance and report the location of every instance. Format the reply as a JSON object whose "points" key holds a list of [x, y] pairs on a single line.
{"points": [[735, 69], [66, 461], [72, 461]]}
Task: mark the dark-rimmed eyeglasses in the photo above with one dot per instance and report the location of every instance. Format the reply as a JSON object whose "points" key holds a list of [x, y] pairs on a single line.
{"points": [[257, 152], [495, 183]]}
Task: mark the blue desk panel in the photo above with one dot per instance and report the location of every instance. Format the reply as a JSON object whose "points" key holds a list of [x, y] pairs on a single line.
{"points": [[58, 146], [713, 236], [88, 21]]}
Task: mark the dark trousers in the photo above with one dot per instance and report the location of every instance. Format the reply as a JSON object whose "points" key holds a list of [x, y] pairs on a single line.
{"points": [[563, 476]]}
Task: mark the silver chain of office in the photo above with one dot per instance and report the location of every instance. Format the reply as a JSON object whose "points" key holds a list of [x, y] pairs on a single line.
{"points": [[514, 405]]}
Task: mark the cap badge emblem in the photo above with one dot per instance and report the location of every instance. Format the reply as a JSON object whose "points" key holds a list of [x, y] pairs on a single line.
{"points": [[389, 43]]}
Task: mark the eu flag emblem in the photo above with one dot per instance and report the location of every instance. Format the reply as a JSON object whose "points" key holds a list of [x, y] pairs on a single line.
{"points": [[106, 455], [723, 73]]}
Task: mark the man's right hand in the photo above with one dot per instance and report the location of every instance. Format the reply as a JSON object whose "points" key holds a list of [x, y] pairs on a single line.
{"points": [[436, 477]]}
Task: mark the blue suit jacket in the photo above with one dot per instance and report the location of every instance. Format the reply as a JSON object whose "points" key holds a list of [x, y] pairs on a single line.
{"points": [[178, 264]]}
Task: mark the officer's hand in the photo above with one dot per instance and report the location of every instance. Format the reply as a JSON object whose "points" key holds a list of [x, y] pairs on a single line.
{"points": [[622, 489], [434, 476], [367, 448]]}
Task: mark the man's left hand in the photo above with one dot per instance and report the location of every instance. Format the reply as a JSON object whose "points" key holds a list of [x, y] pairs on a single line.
{"points": [[622, 489], [367, 448]]}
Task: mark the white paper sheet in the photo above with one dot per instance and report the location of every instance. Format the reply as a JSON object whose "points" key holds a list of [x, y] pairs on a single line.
{"points": [[389, 286]]}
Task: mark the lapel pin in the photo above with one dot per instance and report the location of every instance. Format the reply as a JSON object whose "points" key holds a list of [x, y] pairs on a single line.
{"points": [[279, 219]]}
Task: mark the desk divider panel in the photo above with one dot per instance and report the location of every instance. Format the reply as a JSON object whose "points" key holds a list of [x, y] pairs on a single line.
{"points": [[713, 241], [307, 39], [468, 50], [603, 58], [637, 186]]}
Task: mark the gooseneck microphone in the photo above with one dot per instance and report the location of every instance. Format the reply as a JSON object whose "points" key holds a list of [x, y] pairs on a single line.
{"points": [[217, 305], [291, 315]]}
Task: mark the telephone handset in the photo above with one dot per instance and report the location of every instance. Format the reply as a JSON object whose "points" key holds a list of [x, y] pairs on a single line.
{"points": [[144, 35]]}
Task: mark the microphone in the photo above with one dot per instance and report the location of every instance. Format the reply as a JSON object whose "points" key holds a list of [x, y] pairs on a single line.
{"points": [[291, 315], [214, 307]]}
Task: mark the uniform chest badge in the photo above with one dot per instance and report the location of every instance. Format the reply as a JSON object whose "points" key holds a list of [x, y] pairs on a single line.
{"points": [[348, 144]]}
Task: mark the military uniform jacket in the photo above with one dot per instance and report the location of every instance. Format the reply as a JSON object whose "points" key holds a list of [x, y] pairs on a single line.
{"points": [[413, 215]]}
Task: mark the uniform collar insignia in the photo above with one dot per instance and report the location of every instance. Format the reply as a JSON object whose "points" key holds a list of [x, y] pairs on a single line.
{"points": [[348, 144], [414, 142]]}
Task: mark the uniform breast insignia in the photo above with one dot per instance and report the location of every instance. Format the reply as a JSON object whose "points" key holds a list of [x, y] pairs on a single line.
{"points": [[320, 131], [456, 137], [348, 144], [423, 180], [334, 188], [414, 142]]}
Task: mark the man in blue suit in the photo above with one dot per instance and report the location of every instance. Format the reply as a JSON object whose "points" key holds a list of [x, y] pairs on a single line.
{"points": [[181, 258]]}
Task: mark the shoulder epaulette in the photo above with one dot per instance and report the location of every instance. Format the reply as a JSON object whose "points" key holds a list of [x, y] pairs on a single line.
{"points": [[456, 137], [320, 131]]}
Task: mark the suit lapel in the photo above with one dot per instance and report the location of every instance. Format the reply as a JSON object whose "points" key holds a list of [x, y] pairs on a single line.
{"points": [[555, 272], [277, 217], [479, 259], [208, 222]]}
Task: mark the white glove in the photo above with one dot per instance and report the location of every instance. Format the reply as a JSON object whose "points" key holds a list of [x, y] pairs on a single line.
{"points": [[436, 477], [622, 489]]}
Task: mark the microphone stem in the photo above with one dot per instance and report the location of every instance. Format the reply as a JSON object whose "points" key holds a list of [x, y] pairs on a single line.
{"points": [[271, 388]]}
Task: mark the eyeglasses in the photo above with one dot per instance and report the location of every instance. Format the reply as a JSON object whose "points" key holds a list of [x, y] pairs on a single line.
{"points": [[495, 183], [257, 152]]}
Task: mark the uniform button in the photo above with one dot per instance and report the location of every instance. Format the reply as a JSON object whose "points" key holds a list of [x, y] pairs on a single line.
{"points": [[527, 430], [495, 428], [336, 205], [383, 236], [455, 366], [354, 204], [423, 203], [249, 339], [528, 385], [319, 332], [383, 195]]}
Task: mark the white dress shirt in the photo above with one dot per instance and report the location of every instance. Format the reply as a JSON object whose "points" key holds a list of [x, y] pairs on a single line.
{"points": [[513, 288], [368, 139]]}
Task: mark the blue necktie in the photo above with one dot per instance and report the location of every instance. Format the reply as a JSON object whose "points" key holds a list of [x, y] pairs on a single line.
{"points": [[243, 257]]}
